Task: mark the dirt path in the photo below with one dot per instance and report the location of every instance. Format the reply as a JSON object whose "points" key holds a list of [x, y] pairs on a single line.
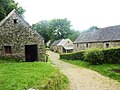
{"points": [[82, 78]]}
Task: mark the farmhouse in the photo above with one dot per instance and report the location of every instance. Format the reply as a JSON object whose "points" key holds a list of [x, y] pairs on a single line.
{"points": [[62, 46], [102, 38], [18, 40]]}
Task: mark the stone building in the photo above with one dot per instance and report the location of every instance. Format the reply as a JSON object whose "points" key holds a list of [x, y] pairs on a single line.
{"points": [[62, 46], [102, 38], [18, 40]]}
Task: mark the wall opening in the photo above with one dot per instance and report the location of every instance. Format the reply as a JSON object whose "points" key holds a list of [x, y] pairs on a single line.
{"points": [[31, 53], [107, 45], [77, 45], [7, 49], [86, 45], [15, 21]]}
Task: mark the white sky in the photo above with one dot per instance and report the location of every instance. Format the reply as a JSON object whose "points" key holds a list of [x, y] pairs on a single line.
{"points": [[82, 13]]}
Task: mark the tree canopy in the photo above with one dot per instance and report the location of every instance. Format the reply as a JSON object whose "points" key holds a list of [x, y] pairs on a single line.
{"points": [[6, 6], [91, 29], [56, 29]]}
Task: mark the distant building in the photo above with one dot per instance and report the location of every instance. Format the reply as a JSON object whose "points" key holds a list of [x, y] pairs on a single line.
{"points": [[62, 46], [102, 38], [18, 40]]}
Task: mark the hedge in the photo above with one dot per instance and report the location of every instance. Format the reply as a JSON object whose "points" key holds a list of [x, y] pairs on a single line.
{"points": [[112, 55], [73, 56], [96, 56]]}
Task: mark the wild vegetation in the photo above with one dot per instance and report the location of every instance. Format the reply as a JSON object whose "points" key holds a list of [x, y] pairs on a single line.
{"points": [[22, 75]]}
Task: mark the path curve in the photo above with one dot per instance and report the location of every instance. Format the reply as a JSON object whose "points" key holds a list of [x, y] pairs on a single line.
{"points": [[82, 78]]}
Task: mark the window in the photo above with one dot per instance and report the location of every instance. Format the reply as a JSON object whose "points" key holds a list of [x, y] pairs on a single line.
{"points": [[7, 49], [15, 21], [77, 45], [86, 45], [107, 45]]}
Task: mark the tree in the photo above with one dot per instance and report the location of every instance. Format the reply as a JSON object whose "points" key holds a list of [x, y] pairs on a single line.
{"points": [[6, 6], [59, 28], [55, 29], [91, 29], [42, 28], [74, 35]]}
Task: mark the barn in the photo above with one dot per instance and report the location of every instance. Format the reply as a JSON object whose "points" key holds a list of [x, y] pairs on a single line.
{"points": [[107, 37], [18, 40]]}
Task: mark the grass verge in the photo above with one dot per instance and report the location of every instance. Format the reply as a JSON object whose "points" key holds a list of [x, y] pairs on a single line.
{"points": [[105, 69], [25, 75]]}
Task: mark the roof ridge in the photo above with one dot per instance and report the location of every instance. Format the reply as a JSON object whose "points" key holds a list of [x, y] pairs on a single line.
{"points": [[102, 34]]}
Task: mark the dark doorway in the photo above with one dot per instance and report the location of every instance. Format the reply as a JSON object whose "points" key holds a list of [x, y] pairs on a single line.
{"points": [[31, 53]]}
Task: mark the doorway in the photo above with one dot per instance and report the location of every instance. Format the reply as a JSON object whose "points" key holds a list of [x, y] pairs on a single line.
{"points": [[31, 53]]}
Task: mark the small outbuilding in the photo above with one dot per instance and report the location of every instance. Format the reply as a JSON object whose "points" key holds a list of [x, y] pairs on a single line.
{"points": [[18, 40], [62, 46]]}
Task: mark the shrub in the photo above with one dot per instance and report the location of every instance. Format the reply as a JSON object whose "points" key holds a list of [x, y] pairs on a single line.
{"points": [[94, 56], [73, 56], [112, 55]]}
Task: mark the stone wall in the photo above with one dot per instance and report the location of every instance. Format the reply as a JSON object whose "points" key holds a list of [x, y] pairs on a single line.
{"points": [[17, 35], [84, 46], [60, 49]]}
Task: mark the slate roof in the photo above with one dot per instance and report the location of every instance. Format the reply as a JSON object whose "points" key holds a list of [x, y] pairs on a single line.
{"points": [[56, 42], [101, 35]]}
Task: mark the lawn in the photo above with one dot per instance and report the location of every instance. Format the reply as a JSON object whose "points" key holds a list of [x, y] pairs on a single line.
{"points": [[25, 75], [106, 69]]}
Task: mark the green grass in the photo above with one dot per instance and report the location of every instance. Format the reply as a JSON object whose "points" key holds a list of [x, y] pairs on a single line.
{"points": [[106, 69], [25, 75]]}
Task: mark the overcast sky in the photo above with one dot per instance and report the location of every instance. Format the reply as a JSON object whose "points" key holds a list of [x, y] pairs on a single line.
{"points": [[82, 13]]}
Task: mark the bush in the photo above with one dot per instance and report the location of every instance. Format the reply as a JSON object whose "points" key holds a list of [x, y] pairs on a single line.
{"points": [[73, 56], [112, 55], [96, 56]]}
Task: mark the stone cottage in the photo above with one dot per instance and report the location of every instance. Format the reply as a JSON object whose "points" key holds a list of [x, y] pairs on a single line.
{"points": [[18, 40], [53, 46], [62, 46], [102, 38]]}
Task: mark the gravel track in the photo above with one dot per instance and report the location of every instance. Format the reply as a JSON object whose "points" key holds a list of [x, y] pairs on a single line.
{"points": [[82, 78]]}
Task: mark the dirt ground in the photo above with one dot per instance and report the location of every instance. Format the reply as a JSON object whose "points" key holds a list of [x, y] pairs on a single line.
{"points": [[82, 78]]}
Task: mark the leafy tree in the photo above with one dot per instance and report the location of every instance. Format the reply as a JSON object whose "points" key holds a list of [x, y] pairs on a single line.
{"points": [[6, 6], [74, 35], [55, 29], [91, 29], [42, 28], [59, 28]]}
